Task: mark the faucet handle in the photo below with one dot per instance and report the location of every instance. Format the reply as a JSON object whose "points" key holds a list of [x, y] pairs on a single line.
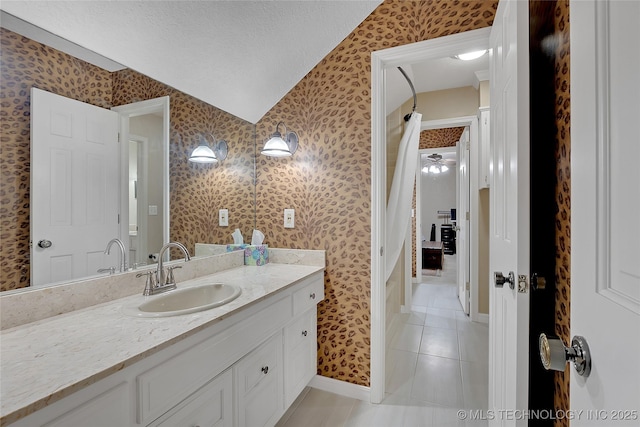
{"points": [[151, 282], [110, 270], [170, 279]]}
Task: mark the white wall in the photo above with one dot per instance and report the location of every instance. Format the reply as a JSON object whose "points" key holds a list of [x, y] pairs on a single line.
{"points": [[438, 193]]}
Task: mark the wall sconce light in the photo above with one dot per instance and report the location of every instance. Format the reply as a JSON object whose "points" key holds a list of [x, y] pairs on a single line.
{"points": [[277, 146], [206, 153]]}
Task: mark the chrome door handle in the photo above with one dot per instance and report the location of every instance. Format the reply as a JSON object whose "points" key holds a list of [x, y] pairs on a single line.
{"points": [[44, 243], [555, 355], [500, 280]]}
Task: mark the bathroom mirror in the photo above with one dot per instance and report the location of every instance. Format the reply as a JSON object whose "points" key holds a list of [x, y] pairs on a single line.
{"points": [[195, 192]]}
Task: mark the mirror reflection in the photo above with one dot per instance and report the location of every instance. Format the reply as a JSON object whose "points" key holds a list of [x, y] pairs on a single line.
{"points": [[194, 192]]}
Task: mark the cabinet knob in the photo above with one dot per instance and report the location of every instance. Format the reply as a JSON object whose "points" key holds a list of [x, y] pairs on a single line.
{"points": [[312, 295], [304, 333], [265, 369]]}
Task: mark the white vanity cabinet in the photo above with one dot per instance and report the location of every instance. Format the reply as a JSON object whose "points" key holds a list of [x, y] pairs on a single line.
{"points": [[484, 145], [244, 370], [259, 384]]}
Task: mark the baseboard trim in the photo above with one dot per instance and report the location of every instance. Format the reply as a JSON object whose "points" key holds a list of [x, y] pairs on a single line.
{"points": [[483, 318], [342, 388]]}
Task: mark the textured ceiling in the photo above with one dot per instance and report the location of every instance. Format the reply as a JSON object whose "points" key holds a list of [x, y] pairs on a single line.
{"points": [[240, 56]]}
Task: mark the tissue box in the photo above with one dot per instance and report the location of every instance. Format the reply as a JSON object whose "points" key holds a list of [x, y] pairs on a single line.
{"points": [[253, 254], [256, 255]]}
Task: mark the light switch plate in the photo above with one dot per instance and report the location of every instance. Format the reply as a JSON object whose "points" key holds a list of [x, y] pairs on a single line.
{"points": [[153, 210], [223, 217], [289, 218]]}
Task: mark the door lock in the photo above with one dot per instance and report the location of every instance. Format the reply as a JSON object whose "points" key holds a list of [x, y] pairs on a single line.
{"points": [[555, 355], [500, 280]]}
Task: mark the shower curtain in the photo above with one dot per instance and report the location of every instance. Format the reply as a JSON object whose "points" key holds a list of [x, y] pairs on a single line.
{"points": [[400, 200]]}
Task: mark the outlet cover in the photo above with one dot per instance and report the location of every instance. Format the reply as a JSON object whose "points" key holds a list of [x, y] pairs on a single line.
{"points": [[289, 218], [223, 217]]}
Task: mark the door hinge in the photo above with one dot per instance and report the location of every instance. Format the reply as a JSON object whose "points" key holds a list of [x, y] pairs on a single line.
{"points": [[468, 145], [467, 286], [523, 283], [118, 218], [467, 216], [119, 140]]}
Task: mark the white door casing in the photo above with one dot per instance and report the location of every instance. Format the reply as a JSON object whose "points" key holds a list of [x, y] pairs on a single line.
{"points": [[380, 62], [126, 112], [605, 199], [462, 219], [74, 187], [509, 199]]}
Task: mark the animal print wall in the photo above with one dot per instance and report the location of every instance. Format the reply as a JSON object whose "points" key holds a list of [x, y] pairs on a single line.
{"points": [[563, 196], [328, 181], [25, 64], [434, 138], [197, 191]]}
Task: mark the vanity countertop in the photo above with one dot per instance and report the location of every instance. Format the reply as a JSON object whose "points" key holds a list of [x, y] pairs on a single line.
{"points": [[47, 360]]}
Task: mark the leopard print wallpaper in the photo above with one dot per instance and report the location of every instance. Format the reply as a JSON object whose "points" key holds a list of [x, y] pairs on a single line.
{"points": [[435, 138], [197, 191], [25, 64], [563, 197], [328, 181]]}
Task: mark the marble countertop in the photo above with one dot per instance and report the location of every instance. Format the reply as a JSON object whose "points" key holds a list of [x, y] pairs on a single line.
{"points": [[47, 360]]}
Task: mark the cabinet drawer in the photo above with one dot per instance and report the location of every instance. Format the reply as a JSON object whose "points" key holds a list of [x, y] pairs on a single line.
{"points": [[300, 330], [167, 384], [259, 364], [210, 406], [308, 296]]}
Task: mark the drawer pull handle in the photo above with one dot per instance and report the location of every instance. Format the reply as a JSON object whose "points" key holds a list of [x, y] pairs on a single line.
{"points": [[304, 333], [313, 295], [265, 369]]}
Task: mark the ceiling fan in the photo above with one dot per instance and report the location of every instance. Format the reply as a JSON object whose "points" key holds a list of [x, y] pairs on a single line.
{"points": [[435, 164]]}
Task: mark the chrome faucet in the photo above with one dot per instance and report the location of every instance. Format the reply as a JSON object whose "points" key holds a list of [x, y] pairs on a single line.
{"points": [[161, 280], [123, 257]]}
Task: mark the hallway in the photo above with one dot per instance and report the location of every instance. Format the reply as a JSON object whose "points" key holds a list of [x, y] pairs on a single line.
{"points": [[437, 364]]}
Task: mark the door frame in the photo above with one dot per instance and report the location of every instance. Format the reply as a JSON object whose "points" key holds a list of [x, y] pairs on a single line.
{"points": [[151, 106], [380, 62]]}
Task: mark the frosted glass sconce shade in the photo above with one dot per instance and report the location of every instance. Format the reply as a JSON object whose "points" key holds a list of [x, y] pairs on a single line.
{"points": [[277, 146], [203, 153]]}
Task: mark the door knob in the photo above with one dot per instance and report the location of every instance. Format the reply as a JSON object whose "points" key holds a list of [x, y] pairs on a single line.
{"points": [[44, 244], [500, 280], [555, 355]]}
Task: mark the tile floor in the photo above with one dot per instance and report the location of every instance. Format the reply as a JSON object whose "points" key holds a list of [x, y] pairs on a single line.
{"points": [[437, 364]]}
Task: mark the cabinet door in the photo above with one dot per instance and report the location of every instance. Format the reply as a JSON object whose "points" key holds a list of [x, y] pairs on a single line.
{"points": [[109, 409], [300, 344], [211, 406], [259, 385]]}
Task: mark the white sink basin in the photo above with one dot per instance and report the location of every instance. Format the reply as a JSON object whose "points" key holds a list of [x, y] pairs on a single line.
{"points": [[188, 300]]}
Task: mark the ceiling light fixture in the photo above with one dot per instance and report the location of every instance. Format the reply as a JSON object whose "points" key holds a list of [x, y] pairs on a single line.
{"points": [[277, 146], [204, 153], [471, 55], [436, 165]]}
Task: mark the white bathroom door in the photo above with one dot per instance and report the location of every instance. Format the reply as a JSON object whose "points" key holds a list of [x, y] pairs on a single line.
{"points": [[462, 220], [74, 187], [605, 209], [509, 221]]}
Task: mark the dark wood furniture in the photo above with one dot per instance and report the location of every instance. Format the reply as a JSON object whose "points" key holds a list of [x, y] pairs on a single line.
{"points": [[432, 255], [448, 237]]}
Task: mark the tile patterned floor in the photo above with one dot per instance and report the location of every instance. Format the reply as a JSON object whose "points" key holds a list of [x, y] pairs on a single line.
{"points": [[437, 365]]}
